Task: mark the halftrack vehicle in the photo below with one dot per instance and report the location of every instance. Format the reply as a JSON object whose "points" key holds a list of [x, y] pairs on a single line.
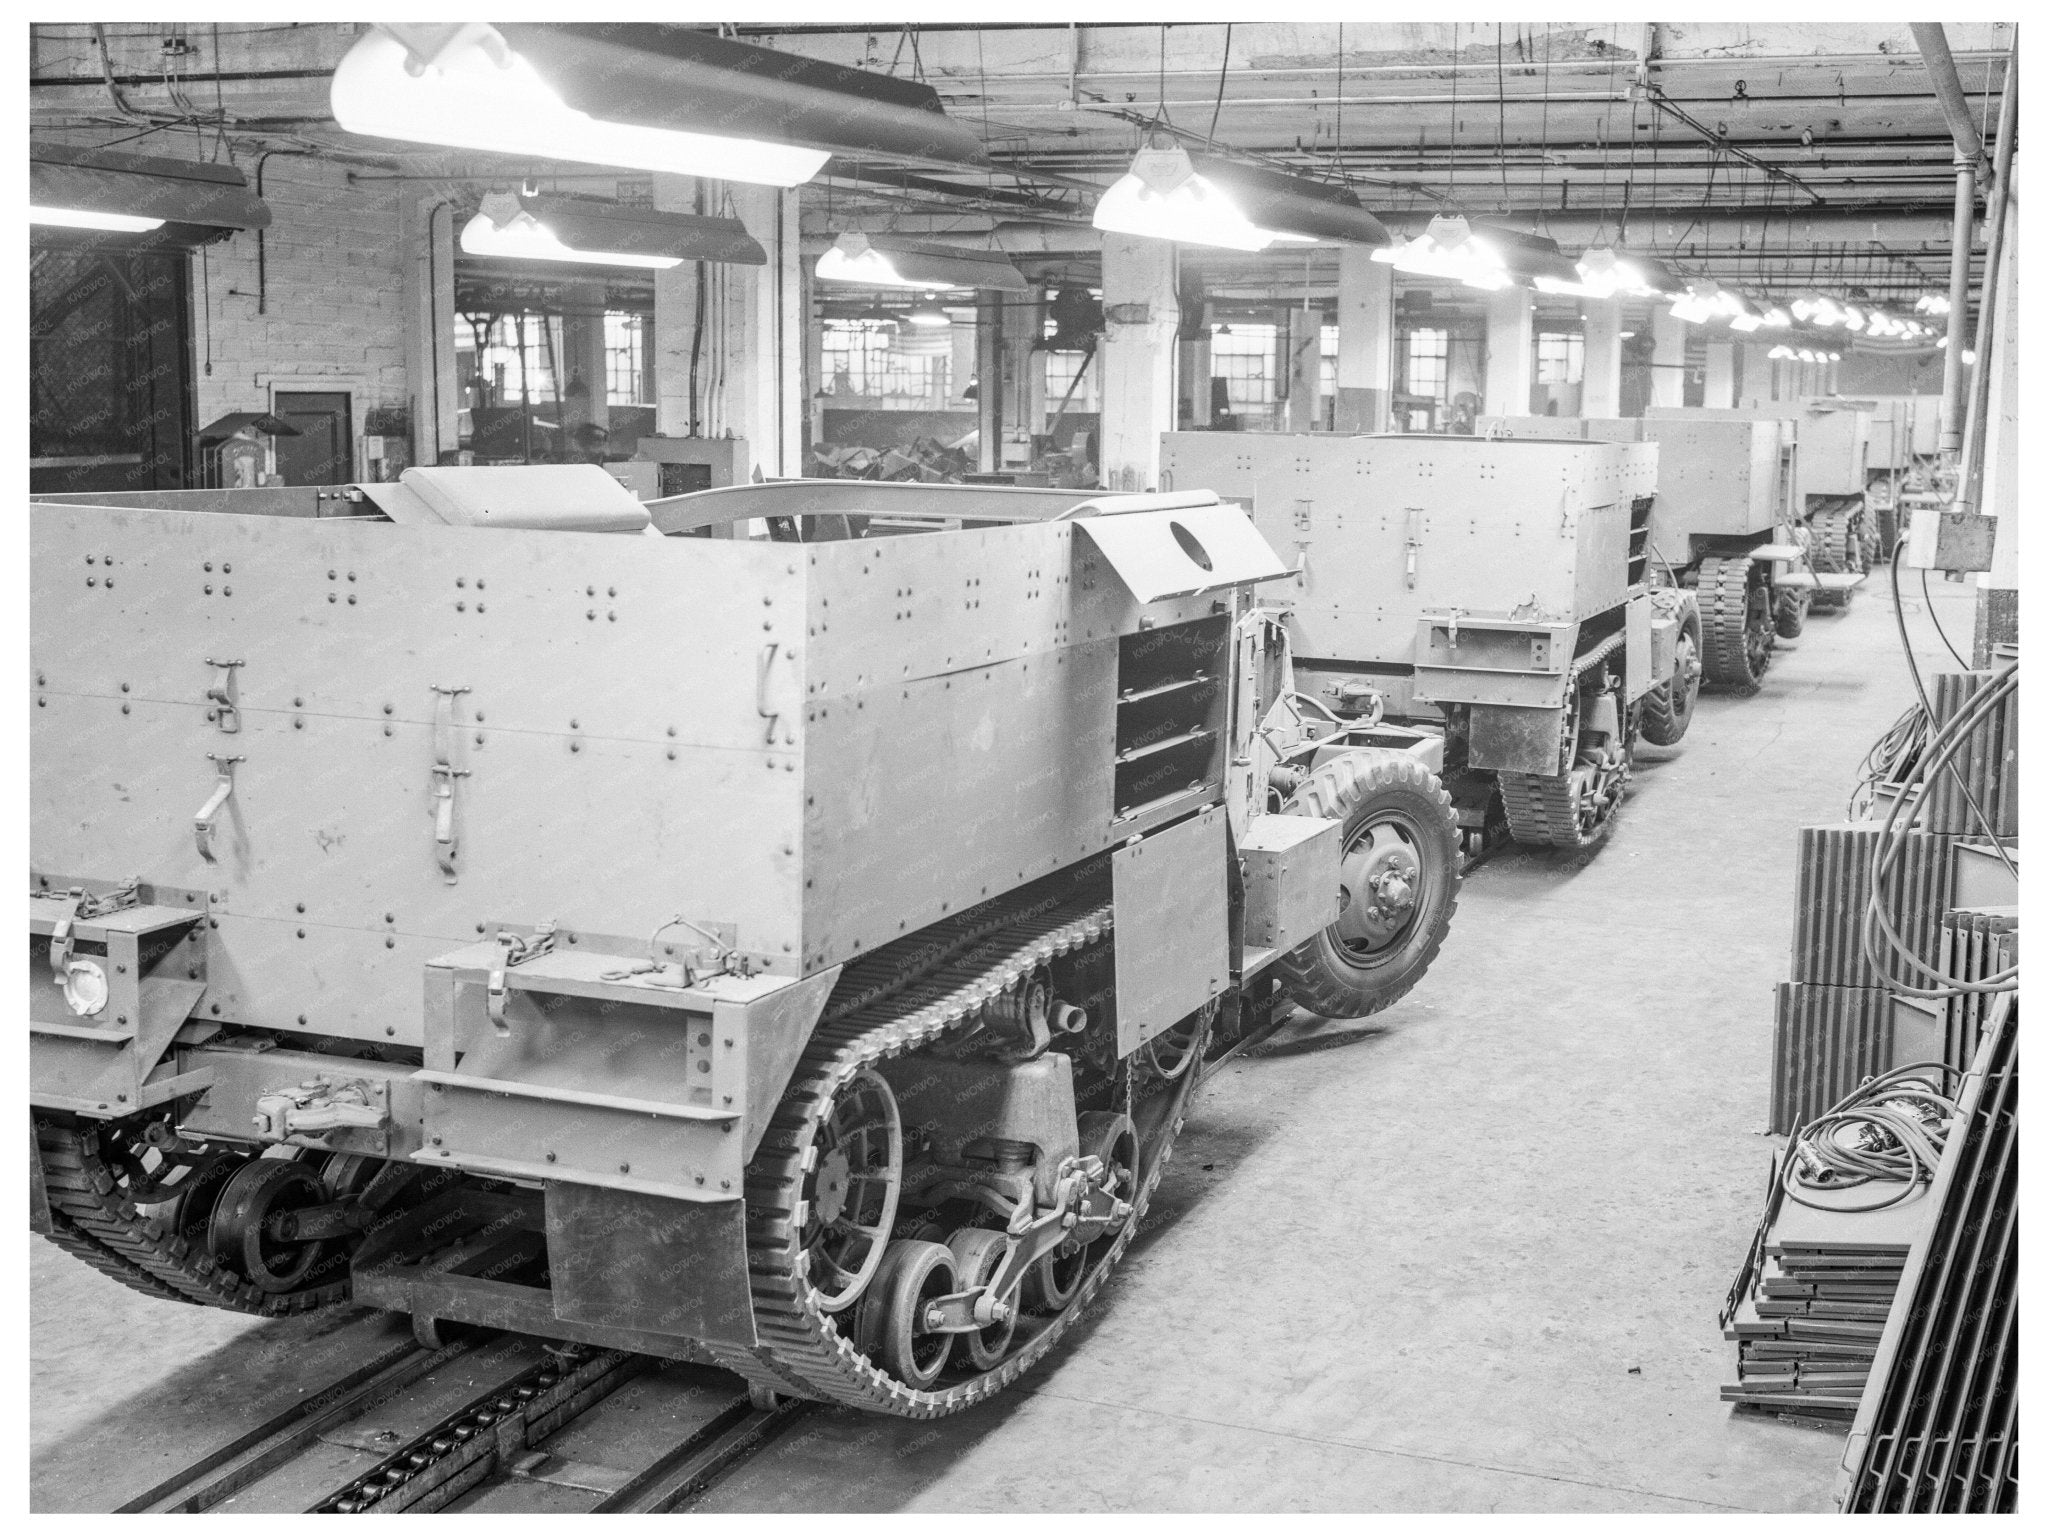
{"points": [[1491, 593], [778, 927]]}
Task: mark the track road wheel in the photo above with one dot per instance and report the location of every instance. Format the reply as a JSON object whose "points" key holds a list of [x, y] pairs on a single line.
{"points": [[1667, 710], [913, 1276], [1736, 620], [1400, 883], [977, 1251]]}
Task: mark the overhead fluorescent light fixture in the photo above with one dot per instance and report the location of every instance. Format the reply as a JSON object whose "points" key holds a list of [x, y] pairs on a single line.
{"points": [[88, 218], [1169, 194], [1932, 304], [107, 191], [1700, 303], [637, 95], [928, 315], [597, 233], [1606, 272], [1449, 248], [1163, 197], [883, 261]]}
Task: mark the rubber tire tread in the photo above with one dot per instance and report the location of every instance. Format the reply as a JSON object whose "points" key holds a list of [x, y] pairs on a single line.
{"points": [[149, 1257], [1663, 726], [1340, 789]]}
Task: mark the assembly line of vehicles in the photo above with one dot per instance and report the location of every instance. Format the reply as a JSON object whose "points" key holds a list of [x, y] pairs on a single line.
{"points": [[782, 926]]}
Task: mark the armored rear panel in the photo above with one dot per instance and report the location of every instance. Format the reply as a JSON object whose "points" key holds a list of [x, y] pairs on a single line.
{"points": [[1388, 528], [1570, 429], [1834, 451], [591, 703], [1716, 477]]}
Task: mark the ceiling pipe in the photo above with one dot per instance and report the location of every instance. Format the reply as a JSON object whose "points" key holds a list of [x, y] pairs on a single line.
{"points": [[1948, 88], [2000, 202], [1941, 68]]}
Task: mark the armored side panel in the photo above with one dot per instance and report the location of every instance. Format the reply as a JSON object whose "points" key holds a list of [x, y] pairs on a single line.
{"points": [[1716, 478], [1389, 529]]}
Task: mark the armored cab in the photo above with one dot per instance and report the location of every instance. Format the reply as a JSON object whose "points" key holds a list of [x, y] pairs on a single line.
{"points": [[790, 950], [1494, 590]]}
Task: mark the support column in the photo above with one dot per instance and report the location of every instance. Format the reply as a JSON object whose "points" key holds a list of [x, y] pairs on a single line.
{"points": [[585, 398], [764, 318], [1365, 342], [1667, 358], [1720, 375], [1510, 351], [1304, 370], [1142, 314], [681, 350], [1196, 362], [988, 371], [1023, 373], [1600, 388], [430, 328], [1998, 596], [1756, 373]]}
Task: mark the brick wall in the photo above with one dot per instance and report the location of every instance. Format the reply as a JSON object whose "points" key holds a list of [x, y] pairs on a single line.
{"points": [[332, 307]]}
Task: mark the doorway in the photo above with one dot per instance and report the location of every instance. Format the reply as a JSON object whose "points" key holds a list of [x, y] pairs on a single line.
{"points": [[321, 454]]}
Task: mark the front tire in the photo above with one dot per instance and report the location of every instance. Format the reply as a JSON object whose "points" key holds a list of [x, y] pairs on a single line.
{"points": [[1668, 709], [1401, 876]]}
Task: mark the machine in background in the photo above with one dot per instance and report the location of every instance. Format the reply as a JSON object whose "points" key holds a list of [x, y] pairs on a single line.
{"points": [[1493, 592], [790, 948]]}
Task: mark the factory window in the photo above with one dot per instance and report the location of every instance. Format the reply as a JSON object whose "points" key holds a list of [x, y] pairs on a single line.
{"points": [[1428, 357], [1560, 357], [625, 359], [1328, 371], [1061, 370], [866, 363], [1242, 355]]}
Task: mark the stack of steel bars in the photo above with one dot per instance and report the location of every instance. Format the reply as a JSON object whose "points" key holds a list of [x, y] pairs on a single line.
{"points": [[1938, 1428]]}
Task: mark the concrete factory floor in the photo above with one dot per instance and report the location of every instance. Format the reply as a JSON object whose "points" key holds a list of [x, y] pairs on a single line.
{"points": [[1463, 1256]]}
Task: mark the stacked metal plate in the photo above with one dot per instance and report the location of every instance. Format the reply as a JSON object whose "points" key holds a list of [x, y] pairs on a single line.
{"points": [[1834, 890], [1834, 1018], [1986, 765], [1810, 1307], [1827, 1040], [1976, 942], [1938, 1429]]}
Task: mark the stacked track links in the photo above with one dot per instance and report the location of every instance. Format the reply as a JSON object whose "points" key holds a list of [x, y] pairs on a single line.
{"points": [[1725, 619], [92, 1218], [877, 1016]]}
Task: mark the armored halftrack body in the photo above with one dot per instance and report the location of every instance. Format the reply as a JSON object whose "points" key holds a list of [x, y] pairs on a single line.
{"points": [[779, 926], [1493, 592]]}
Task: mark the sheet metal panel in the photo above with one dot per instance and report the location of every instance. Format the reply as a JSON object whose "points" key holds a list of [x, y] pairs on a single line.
{"points": [[1834, 889], [1826, 1040], [617, 768], [1172, 926], [1388, 528]]}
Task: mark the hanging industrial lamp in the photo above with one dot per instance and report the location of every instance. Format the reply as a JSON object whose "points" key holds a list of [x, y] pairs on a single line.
{"points": [[1450, 248], [1169, 194], [532, 227], [884, 261], [108, 191], [650, 97], [928, 315]]}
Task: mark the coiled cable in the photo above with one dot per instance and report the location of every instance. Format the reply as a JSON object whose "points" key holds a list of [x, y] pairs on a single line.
{"points": [[1890, 1130]]}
